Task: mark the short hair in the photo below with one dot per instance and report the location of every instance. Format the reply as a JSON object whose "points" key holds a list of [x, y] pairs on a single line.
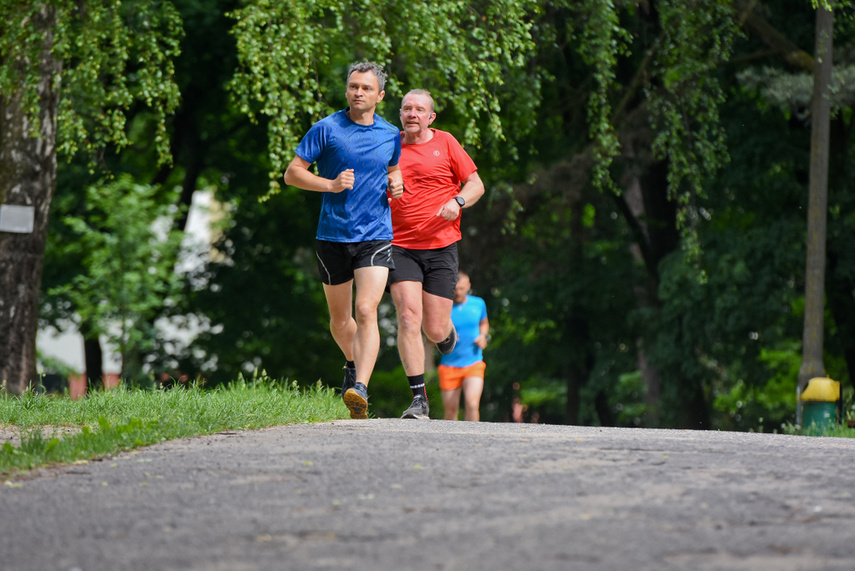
{"points": [[423, 92], [365, 66]]}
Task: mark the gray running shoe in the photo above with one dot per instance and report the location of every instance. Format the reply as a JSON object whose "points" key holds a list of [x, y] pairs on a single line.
{"points": [[349, 379], [419, 409], [356, 399]]}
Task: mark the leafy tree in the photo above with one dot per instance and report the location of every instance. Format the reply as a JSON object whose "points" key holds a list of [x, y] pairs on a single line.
{"points": [[213, 147], [128, 250], [69, 75], [63, 263]]}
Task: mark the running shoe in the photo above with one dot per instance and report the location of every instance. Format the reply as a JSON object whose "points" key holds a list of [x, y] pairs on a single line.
{"points": [[356, 399], [447, 346], [349, 379], [419, 409]]}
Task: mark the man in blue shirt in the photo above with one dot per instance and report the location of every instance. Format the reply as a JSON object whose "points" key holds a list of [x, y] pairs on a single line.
{"points": [[357, 156], [463, 368]]}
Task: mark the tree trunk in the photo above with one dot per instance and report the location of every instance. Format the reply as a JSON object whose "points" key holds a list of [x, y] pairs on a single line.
{"points": [[579, 342], [577, 377], [27, 178], [812, 338], [93, 357], [639, 204]]}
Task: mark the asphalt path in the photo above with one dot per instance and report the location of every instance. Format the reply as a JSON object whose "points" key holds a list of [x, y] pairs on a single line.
{"points": [[438, 495]]}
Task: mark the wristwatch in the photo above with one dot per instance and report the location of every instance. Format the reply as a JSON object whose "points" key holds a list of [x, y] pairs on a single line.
{"points": [[460, 200]]}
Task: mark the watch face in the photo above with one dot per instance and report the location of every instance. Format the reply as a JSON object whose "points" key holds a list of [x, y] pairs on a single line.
{"points": [[460, 201]]}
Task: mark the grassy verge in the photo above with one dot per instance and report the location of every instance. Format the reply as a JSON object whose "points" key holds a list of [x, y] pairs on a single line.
{"points": [[113, 421]]}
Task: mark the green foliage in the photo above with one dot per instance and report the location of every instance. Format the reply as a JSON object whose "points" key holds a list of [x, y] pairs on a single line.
{"points": [[113, 54], [792, 92], [770, 405], [696, 39], [557, 309], [128, 250], [603, 41], [294, 58]]}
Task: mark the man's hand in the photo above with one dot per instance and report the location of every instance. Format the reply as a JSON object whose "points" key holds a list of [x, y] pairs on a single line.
{"points": [[396, 186], [344, 181], [450, 210]]}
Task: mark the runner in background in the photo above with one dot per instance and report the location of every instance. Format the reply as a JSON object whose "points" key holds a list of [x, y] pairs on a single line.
{"points": [[462, 370]]}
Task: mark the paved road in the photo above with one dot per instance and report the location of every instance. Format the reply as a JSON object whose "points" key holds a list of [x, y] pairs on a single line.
{"points": [[392, 494]]}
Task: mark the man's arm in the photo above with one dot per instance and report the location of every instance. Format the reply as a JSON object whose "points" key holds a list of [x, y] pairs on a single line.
{"points": [[298, 174], [484, 331], [472, 190]]}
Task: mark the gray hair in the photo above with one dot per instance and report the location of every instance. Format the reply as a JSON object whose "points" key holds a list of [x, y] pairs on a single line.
{"points": [[365, 66], [423, 92]]}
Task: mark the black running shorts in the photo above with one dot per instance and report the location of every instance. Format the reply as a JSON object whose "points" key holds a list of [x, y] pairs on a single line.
{"points": [[436, 269], [337, 260]]}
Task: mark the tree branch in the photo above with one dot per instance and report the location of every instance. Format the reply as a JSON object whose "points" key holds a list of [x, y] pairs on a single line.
{"points": [[769, 35]]}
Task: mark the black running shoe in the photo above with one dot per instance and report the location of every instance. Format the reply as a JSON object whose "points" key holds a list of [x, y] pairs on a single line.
{"points": [[419, 409], [447, 346], [356, 399], [349, 379]]}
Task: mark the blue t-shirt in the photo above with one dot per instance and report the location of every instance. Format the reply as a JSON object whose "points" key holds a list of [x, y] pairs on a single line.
{"points": [[467, 318], [336, 143]]}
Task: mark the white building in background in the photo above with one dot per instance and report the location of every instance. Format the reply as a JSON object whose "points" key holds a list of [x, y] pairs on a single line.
{"points": [[67, 346]]}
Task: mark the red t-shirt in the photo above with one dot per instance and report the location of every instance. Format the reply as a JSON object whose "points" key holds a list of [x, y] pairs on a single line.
{"points": [[432, 172]]}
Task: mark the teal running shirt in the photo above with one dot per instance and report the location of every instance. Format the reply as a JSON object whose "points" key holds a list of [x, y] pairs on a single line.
{"points": [[467, 318]]}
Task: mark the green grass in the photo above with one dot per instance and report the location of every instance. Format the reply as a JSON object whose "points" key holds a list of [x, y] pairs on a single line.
{"points": [[122, 419]]}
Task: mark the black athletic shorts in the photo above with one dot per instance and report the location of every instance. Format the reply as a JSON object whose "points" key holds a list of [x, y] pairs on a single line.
{"points": [[337, 260], [436, 269]]}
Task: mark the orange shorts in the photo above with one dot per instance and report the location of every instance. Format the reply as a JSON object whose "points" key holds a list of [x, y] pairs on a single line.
{"points": [[451, 378]]}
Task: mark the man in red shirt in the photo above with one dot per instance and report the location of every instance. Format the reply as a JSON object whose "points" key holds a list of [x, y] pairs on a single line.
{"points": [[440, 179]]}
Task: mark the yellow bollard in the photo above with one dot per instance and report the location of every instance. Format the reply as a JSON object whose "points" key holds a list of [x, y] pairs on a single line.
{"points": [[819, 401]]}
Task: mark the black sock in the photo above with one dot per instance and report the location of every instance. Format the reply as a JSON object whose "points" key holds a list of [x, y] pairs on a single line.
{"points": [[417, 385], [350, 364]]}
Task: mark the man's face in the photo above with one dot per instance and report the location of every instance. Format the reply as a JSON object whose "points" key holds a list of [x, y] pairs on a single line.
{"points": [[416, 113], [461, 290], [363, 91]]}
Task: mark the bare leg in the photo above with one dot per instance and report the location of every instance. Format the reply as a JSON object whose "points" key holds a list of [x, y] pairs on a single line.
{"points": [[451, 403], [437, 316], [472, 389], [407, 296], [370, 285], [342, 325]]}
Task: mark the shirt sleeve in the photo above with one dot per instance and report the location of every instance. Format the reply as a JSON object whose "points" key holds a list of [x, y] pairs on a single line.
{"points": [[396, 153], [312, 145], [462, 164]]}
